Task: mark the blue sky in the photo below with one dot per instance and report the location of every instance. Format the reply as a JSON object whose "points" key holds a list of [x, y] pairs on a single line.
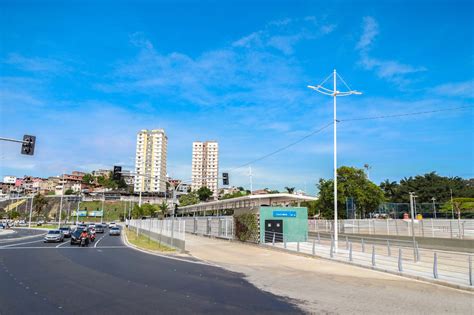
{"points": [[84, 77]]}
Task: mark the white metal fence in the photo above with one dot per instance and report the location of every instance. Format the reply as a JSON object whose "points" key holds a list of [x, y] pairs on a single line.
{"points": [[173, 228], [394, 256], [440, 228], [221, 226]]}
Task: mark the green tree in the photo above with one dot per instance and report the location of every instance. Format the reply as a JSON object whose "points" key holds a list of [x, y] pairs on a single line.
{"points": [[431, 185], [390, 189], [69, 192], [204, 193], [39, 202], [290, 190], [352, 182], [88, 179], [14, 214], [164, 208], [188, 199]]}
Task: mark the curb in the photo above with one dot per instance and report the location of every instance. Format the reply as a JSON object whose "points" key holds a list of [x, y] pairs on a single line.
{"points": [[169, 256]]}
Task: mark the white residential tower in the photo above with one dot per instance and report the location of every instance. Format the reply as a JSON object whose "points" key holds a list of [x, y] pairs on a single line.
{"points": [[150, 161], [205, 167]]}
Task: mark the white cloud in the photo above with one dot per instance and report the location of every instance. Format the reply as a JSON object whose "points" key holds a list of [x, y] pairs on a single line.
{"points": [[36, 64], [370, 31], [456, 89], [390, 70]]}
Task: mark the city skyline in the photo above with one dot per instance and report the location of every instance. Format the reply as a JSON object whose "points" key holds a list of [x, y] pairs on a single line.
{"points": [[250, 77]]}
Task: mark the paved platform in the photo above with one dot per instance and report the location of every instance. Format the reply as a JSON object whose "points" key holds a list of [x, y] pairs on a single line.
{"points": [[324, 286]]}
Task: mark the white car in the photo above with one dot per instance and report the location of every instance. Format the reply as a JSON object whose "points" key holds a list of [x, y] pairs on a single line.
{"points": [[114, 231], [112, 224]]}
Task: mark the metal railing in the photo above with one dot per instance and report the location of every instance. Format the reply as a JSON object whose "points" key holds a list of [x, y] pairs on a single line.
{"points": [[436, 228], [169, 231], [394, 256], [220, 226]]}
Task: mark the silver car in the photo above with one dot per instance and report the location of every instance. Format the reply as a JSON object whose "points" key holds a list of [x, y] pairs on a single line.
{"points": [[54, 236], [114, 231]]}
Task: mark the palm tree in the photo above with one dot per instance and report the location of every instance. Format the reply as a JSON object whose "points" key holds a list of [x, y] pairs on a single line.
{"points": [[290, 190], [164, 208]]}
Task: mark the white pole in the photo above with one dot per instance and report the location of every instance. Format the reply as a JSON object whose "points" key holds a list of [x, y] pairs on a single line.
{"points": [[61, 204], [250, 177], [103, 198], [31, 210], [140, 198], [335, 165], [452, 207], [77, 211]]}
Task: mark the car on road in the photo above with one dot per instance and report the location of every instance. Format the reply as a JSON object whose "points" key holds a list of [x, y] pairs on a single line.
{"points": [[2, 226], [76, 236], [112, 224], [99, 228], [114, 231], [54, 236], [66, 231]]}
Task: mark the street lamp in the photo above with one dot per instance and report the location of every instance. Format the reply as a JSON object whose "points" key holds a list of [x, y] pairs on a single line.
{"points": [[334, 93]]}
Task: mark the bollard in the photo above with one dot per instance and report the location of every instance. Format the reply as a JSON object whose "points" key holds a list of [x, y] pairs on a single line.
{"points": [[347, 242], [435, 266], [470, 271], [273, 240], [373, 255], [417, 252], [319, 238], [313, 251], [363, 246], [350, 251], [389, 252], [284, 241], [298, 246], [400, 263]]}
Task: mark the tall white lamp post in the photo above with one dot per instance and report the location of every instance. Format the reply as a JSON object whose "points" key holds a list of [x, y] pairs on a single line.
{"points": [[334, 93]]}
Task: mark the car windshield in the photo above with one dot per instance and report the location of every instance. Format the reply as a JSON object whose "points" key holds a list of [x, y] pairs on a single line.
{"points": [[64, 228], [54, 232], [115, 229]]}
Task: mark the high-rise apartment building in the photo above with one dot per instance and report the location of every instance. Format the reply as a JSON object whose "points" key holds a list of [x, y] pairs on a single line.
{"points": [[150, 161], [205, 167]]}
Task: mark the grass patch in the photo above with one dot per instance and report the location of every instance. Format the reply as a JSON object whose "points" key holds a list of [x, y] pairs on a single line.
{"points": [[144, 242], [45, 226]]}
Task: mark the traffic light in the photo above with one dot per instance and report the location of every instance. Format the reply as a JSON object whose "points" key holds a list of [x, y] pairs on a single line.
{"points": [[28, 145], [225, 179], [117, 173]]}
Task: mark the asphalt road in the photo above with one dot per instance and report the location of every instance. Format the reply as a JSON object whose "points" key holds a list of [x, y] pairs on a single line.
{"points": [[19, 234], [108, 277]]}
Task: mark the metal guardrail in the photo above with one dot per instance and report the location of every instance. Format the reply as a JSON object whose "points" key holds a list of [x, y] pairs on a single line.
{"points": [[399, 257], [436, 228]]}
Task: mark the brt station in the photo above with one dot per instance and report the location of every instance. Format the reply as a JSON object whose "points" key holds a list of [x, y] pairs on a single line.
{"points": [[279, 217]]}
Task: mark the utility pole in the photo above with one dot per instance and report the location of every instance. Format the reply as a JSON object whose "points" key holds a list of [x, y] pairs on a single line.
{"points": [[250, 178], [61, 204], [434, 207], [334, 93], [412, 201], [452, 204], [103, 198], [31, 210]]}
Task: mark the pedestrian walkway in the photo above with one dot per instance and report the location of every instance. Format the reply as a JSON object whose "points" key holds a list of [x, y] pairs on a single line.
{"points": [[323, 286]]}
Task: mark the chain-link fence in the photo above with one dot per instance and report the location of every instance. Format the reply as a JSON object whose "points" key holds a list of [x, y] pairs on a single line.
{"points": [[171, 232], [222, 226]]}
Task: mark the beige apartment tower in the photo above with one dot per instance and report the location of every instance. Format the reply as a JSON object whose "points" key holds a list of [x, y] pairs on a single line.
{"points": [[150, 161], [205, 167]]}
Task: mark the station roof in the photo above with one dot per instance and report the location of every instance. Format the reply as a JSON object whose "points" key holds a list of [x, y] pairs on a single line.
{"points": [[249, 201]]}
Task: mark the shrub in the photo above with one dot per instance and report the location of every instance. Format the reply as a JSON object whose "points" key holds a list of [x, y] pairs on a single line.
{"points": [[246, 227]]}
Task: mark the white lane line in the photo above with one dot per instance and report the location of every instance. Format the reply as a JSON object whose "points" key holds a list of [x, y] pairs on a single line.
{"points": [[16, 244], [8, 240], [63, 243], [100, 239]]}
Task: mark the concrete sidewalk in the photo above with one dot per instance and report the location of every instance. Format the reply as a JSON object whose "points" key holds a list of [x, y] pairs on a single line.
{"points": [[324, 286]]}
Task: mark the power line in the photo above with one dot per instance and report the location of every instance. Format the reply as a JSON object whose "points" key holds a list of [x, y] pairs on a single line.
{"points": [[283, 148], [406, 114]]}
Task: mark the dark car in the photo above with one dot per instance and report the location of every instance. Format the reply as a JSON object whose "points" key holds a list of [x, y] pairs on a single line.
{"points": [[76, 237], [99, 228], [66, 231]]}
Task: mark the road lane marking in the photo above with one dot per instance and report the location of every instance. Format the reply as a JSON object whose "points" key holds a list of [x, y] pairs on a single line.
{"points": [[7, 240], [63, 243], [100, 239], [16, 244]]}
